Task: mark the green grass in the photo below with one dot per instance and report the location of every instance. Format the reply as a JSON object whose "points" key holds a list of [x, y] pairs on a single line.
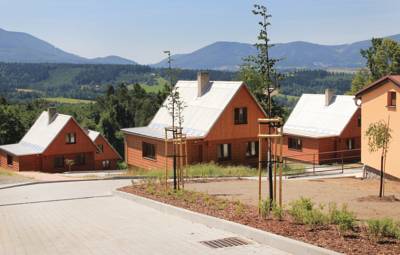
{"points": [[153, 88], [65, 100], [209, 170], [5, 172]]}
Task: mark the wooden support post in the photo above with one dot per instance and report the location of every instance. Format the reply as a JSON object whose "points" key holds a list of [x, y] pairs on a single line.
{"points": [[166, 160], [259, 172], [275, 150], [280, 171]]}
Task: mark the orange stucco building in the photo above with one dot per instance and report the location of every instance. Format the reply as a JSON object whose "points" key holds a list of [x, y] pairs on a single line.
{"points": [[379, 102], [220, 121], [52, 140], [323, 128]]}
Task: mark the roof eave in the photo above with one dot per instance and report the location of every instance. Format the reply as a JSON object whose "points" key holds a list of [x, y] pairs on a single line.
{"points": [[375, 84]]}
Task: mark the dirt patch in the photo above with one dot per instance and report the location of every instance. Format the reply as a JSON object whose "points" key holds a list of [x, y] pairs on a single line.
{"points": [[384, 199], [327, 236], [341, 191]]}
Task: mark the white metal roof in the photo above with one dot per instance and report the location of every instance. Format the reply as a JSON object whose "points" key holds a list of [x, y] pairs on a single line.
{"points": [[39, 136], [200, 113], [311, 118], [93, 135]]}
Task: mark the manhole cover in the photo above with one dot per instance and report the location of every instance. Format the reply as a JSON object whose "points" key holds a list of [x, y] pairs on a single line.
{"points": [[225, 242]]}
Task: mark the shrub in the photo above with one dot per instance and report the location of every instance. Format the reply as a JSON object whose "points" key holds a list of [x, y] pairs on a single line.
{"points": [[299, 208], [239, 208], [265, 208], [278, 212], [345, 219], [386, 227], [315, 217], [121, 165]]}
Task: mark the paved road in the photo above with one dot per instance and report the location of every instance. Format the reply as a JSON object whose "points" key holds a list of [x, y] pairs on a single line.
{"points": [[84, 218]]}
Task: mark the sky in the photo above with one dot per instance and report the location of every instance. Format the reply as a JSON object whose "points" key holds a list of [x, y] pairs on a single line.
{"points": [[142, 29]]}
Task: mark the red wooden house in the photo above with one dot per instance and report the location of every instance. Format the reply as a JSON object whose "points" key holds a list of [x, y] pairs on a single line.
{"points": [[323, 128], [220, 121], [51, 140]]}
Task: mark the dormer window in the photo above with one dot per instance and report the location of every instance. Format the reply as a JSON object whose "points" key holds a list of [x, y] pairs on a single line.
{"points": [[391, 99], [70, 138], [240, 116]]}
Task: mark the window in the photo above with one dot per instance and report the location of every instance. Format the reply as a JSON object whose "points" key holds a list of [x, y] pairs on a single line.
{"points": [[359, 121], [59, 162], [106, 164], [295, 143], [391, 99], [252, 149], [148, 150], [100, 149], [9, 160], [350, 143], [240, 116], [80, 160], [70, 138], [224, 152]]}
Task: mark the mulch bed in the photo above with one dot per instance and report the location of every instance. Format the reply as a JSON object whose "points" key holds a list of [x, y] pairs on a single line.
{"points": [[327, 236]]}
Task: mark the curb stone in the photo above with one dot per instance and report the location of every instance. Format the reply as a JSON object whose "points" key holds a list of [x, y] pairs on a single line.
{"points": [[276, 241]]}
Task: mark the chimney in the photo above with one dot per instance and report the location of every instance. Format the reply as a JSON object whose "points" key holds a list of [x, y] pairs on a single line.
{"points": [[52, 112], [329, 94], [202, 83]]}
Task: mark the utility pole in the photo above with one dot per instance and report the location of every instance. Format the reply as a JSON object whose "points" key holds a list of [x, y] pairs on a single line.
{"points": [[173, 117]]}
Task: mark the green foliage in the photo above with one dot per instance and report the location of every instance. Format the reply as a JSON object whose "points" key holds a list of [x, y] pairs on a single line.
{"points": [[379, 136], [383, 228], [278, 212], [303, 211], [383, 58], [214, 170], [345, 219], [121, 165], [265, 208]]}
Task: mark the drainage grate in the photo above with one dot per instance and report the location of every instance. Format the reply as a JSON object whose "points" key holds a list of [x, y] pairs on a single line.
{"points": [[225, 242]]}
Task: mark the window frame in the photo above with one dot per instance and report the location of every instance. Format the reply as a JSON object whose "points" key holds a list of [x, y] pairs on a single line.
{"points": [[70, 138], [221, 152], [55, 160], [10, 160], [106, 164], [149, 151], [353, 143], [80, 159], [240, 118], [100, 148], [297, 142], [391, 99], [249, 148]]}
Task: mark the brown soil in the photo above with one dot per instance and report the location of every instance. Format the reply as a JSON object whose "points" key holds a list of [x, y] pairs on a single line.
{"points": [[350, 191], [356, 242]]}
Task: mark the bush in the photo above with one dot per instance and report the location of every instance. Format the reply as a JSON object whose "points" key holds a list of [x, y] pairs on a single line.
{"points": [[345, 219], [379, 228], [121, 165], [303, 212], [265, 208], [278, 212]]}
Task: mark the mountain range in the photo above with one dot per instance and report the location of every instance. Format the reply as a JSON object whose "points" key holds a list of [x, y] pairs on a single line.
{"points": [[229, 55], [25, 48]]}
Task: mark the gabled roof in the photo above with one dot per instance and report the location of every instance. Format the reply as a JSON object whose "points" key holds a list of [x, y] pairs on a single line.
{"points": [[39, 136], [200, 113], [393, 78], [311, 118]]}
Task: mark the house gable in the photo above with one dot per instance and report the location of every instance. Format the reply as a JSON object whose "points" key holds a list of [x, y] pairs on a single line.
{"points": [[108, 153], [59, 146], [225, 128]]}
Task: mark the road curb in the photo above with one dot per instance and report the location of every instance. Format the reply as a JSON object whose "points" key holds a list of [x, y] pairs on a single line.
{"points": [[276, 241], [75, 180]]}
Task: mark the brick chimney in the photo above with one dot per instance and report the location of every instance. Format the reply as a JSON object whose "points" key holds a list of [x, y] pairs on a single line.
{"points": [[52, 112], [329, 94], [203, 80]]}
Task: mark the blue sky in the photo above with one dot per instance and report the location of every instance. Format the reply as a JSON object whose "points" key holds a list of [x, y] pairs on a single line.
{"points": [[141, 30]]}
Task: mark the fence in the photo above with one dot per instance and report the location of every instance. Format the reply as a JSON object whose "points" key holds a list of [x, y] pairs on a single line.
{"points": [[314, 163]]}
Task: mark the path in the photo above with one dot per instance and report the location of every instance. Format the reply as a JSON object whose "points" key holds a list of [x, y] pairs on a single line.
{"points": [[84, 218]]}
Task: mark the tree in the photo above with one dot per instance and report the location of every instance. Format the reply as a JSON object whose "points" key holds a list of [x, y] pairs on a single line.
{"points": [[379, 136], [383, 58], [261, 68]]}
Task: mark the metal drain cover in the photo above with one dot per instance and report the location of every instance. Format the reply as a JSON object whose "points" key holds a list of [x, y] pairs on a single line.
{"points": [[225, 242]]}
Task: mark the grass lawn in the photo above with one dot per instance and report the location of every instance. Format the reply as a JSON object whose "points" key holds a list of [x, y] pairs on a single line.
{"points": [[65, 100], [211, 170], [154, 88], [5, 172]]}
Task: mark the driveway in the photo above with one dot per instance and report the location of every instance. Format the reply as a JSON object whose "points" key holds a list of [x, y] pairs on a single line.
{"points": [[84, 218]]}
